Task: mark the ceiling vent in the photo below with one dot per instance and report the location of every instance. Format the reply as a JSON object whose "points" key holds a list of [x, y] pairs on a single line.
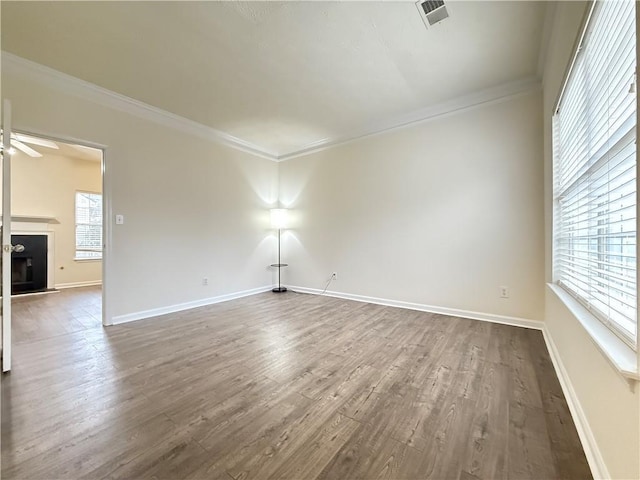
{"points": [[432, 11]]}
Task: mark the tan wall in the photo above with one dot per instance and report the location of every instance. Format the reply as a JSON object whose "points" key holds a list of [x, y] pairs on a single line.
{"points": [[192, 208], [610, 407], [46, 186], [441, 214]]}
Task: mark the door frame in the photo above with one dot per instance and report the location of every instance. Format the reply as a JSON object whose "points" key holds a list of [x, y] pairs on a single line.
{"points": [[107, 230], [7, 333]]}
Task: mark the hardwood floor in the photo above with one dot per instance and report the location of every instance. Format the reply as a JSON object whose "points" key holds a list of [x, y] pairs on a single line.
{"points": [[287, 386], [36, 317]]}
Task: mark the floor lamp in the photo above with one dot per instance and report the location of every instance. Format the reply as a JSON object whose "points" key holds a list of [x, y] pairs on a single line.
{"points": [[279, 221]]}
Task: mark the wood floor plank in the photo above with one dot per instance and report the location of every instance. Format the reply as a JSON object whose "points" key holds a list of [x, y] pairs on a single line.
{"points": [[83, 453], [487, 448], [312, 455], [529, 453], [237, 444], [442, 454], [421, 409], [280, 386], [525, 389], [366, 456], [174, 456], [372, 452], [29, 440]]}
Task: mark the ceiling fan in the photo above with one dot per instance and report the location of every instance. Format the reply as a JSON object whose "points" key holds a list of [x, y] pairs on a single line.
{"points": [[18, 140]]}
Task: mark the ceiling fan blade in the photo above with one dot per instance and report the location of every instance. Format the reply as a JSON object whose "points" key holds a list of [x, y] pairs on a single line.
{"points": [[28, 150], [34, 140]]}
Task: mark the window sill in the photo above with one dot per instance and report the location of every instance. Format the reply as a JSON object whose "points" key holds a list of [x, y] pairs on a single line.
{"points": [[619, 354], [87, 259]]}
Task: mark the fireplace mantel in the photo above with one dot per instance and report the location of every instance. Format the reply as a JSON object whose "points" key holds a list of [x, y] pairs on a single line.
{"points": [[31, 219]]}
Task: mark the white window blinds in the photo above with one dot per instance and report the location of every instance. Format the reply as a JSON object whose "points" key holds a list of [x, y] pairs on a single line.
{"points": [[88, 225], [595, 171]]}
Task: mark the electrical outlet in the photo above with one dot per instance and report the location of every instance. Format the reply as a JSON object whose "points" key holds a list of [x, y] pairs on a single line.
{"points": [[504, 292], [334, 276], [205, 281]]}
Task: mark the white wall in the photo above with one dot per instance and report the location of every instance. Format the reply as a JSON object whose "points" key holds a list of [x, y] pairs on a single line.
{"points": [[46, 186], [192, 208], [441, 214], [610, 407]]}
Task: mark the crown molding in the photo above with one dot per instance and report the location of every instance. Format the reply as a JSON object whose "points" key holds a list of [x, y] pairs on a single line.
{"points": [[488, 96], [93, 93], [545, 38]]}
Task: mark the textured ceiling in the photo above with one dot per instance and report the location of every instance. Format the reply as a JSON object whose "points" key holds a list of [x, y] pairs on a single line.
{"points": [[281, 75]]}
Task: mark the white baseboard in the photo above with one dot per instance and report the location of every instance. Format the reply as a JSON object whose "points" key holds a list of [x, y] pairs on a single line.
{"points": [[62, 286], [485, 317], [594, 457], [154, 312]]}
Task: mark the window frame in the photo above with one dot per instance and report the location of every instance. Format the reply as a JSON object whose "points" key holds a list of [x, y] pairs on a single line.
{"points": [[76, 223], [617, 144]]}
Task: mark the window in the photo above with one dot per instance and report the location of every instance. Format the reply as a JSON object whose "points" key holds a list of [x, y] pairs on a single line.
{"points": [[88, 225], [594, 133]]}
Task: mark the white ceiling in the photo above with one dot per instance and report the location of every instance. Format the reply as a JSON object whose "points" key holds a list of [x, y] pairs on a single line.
{"points": [[281, 75], [71, 150]]}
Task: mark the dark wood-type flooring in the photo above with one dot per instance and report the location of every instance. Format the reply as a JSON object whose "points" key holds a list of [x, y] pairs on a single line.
{"points": [[281, 386], [37, 317]]}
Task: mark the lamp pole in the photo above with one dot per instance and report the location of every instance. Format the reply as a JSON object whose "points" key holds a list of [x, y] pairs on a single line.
{"points": [[279, 263], [278, 220]]}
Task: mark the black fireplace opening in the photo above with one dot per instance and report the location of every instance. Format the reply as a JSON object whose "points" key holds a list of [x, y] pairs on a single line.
{"points": [[29, 267]]}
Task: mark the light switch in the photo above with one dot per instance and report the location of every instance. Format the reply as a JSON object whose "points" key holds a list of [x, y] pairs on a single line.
{"points": [[119, 219]]}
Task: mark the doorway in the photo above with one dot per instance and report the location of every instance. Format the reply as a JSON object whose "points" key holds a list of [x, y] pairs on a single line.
{"points": [[58, 228]]}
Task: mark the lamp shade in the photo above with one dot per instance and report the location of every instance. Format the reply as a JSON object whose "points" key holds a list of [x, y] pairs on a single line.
{"points": [[278, 218]]}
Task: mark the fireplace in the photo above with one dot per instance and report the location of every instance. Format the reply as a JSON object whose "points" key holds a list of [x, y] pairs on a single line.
{"points": [[29, 267]]}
